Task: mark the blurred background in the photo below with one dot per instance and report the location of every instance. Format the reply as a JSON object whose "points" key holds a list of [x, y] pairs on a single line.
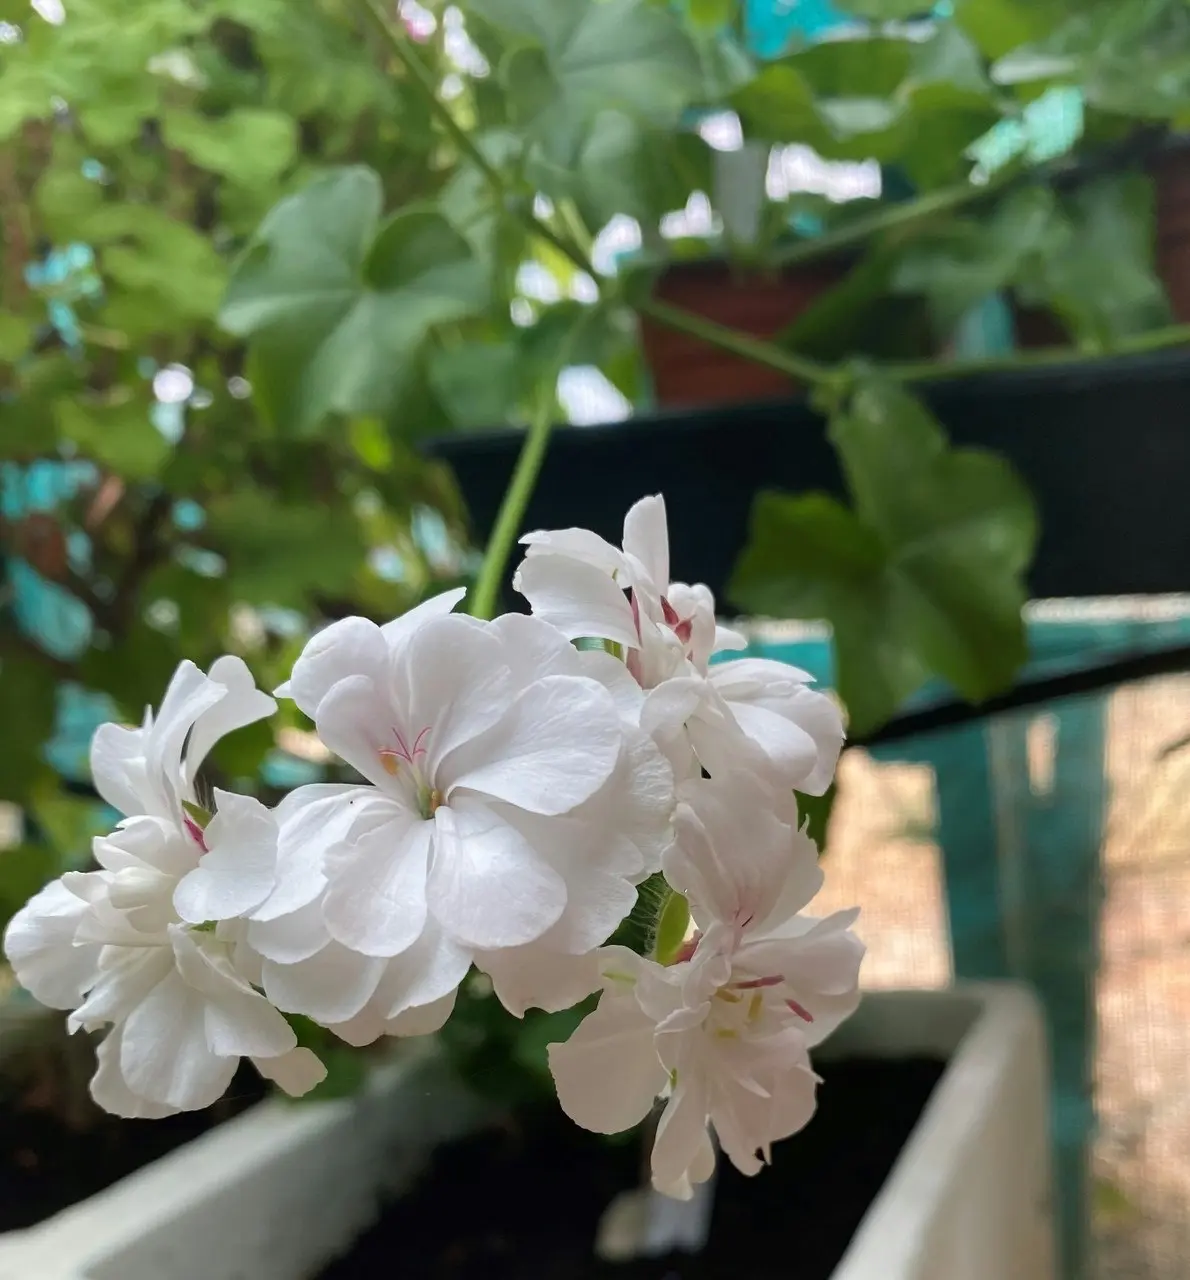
{"points": [[998, 189]]}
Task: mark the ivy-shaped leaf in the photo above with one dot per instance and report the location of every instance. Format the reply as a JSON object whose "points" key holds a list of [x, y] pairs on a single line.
{"points": [[252, 146], [924, 576], [587, 56], [337, 307]]}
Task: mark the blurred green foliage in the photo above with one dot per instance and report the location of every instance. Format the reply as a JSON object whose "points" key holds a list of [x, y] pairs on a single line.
{"points": [[252, 250]]}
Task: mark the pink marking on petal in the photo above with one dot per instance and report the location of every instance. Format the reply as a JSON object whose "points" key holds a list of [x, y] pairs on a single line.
{"points": [[195, 833], [803, 1013], [669, 613], [687, 949], [635, 612], [754, 984], [684, 630]]}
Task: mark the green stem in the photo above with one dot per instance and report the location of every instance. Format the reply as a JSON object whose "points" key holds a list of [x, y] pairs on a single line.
{"points": [[885, 219], [405, 53], [740, 344], [486, 594], [1041, 358]]}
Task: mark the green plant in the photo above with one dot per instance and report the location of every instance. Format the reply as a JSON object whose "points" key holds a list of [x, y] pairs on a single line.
{"points": [[331, 206]]}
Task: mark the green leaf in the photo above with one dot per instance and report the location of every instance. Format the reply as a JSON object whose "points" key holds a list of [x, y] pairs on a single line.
{"points": [[252, 146], [969, 260], [282, 553], [338, 311], [814, 813], [64, 199], [711, 14], [997, 26], [924, 577], [371, 444], [884, 10], [1096, 271], [117, 435], [27, 693], [477, 383], [630, 56], [16, 332], [157, 260], [672, 924]]}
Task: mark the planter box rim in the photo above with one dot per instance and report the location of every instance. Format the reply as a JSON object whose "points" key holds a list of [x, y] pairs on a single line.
{"points": [[241, 1201]]}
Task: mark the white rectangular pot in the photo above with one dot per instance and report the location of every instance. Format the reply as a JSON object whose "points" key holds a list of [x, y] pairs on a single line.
{"points": [[278, 1192]]}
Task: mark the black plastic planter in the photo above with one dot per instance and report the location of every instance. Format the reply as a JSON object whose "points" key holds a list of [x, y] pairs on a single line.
{"points": [[1104, 446]]}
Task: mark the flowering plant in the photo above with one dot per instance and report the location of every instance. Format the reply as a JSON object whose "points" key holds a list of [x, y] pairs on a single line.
{"points": [[515, 792]]}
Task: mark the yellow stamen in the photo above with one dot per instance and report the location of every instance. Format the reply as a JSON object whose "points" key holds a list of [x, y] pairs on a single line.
{"points": [[730, 996], [390, 764], [754, 1006], [726, 1033]]}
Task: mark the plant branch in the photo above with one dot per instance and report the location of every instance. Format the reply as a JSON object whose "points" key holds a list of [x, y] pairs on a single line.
{"points": [[888, 218], [1041, 358], [740, 344], [486, 594], [402, 49]]}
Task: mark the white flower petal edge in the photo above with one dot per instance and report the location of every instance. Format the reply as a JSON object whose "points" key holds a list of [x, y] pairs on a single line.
{"points": [[724, 1034], [514, 804], [750, 711], [140, 945]]}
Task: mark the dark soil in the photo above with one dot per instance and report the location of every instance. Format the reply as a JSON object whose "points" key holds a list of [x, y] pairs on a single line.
{"points": [[525, 1204], [57, 1147]]}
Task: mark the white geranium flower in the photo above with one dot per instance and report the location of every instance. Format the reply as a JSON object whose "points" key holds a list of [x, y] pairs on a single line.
{"points": [[724, 1033], [514, 801], [752, 712], [135, 944]]}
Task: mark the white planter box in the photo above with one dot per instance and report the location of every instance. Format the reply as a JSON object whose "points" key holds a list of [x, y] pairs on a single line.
{"points": [[278, 1192], [969, 1197]]}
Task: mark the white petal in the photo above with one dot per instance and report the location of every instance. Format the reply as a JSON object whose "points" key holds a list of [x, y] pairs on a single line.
{"points": [[331, 986], [488, 886], [608, 1073], [555, 747], [311, 820], [757, 690], [535, 977], [111, 1091], [127, 976], [427, 973], [145, 841], [164, 1054], [422, 1019], [400, 629], [290, 938], [577, 544], [727, 640], [356, 721], [39, 944], [532, 648], [682, 1143], [240, 868], [119, 771], [671, 704], [349, 647], [190, 695], [296, 1072], [579, 599], [733, 855], [646, 539], [376, 897], [450, 684], [242, 704], [239, 1021]]}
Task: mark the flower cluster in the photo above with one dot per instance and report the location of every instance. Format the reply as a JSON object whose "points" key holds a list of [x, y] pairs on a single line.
{"points": [[515, 791]]}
